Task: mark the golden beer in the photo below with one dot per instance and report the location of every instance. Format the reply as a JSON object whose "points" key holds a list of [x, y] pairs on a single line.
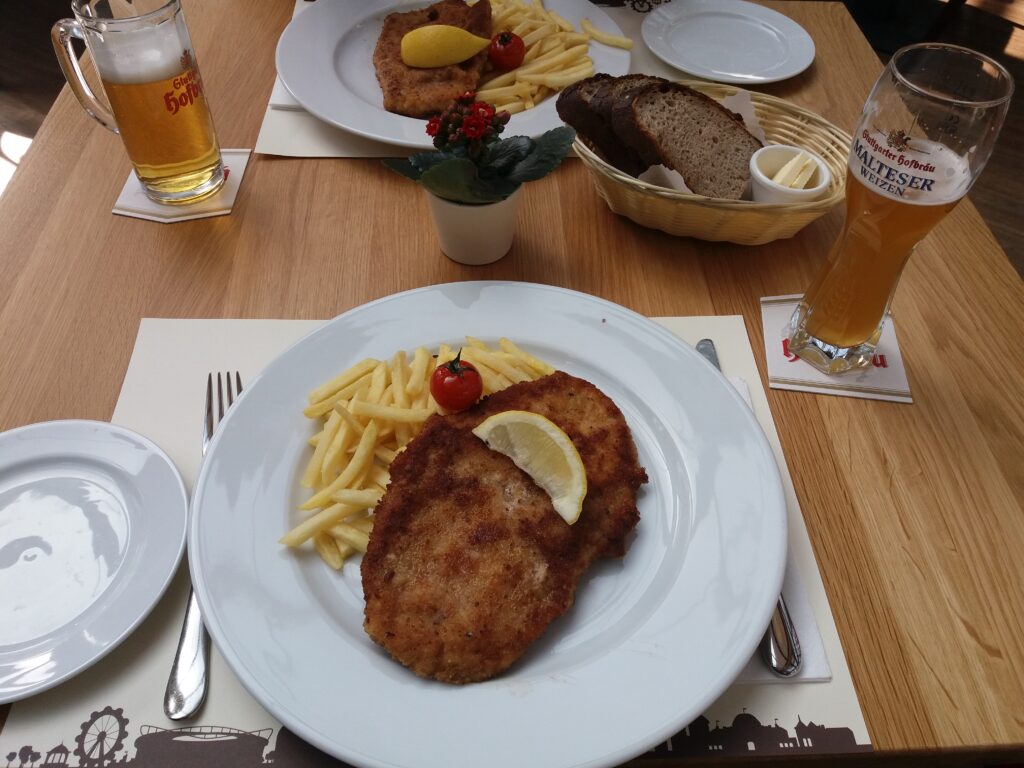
{"points": [[167, 131], [154, 92], [925, 133], [851, 294]]}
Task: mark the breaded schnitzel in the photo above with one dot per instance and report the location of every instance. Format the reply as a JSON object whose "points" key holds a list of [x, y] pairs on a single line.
{"points": [[468, 562], [423, 92]]}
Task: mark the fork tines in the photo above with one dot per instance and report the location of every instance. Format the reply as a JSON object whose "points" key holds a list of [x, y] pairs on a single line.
{"points": [[225, 385]]}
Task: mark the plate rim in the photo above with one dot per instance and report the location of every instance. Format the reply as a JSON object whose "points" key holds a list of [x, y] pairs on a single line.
{"points": [[262, 693], [598, 17], [763, 13], [150, 603]]}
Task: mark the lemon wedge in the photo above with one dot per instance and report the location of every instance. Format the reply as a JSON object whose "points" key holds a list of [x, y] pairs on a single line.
{"points": [[544, 452], [439, 45]]}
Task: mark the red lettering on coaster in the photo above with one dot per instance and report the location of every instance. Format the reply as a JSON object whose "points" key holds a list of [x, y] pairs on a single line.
{"points": [[785, 351]]}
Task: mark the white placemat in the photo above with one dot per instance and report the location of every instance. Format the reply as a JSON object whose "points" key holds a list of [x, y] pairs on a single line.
{"points": [[162, 397]]}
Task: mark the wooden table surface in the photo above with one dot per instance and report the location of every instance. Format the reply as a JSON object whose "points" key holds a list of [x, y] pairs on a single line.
{"points": [[914, 511]]}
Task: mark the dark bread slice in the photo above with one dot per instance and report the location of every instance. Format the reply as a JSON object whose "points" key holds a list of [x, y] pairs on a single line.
{"points": [[574, 107], [615, 97], [696, 136]]}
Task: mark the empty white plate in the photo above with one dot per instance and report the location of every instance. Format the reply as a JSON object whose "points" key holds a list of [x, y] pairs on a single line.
{"points": [[92, 528], [728, 41]]}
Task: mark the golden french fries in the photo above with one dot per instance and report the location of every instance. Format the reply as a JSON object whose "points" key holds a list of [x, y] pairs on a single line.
{"points": [[557, 55], [616, 41], [367, 414]]}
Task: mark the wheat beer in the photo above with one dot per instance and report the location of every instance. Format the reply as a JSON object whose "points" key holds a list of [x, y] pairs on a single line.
{"points": [[156, 98], [884, 221], [925, 133]]}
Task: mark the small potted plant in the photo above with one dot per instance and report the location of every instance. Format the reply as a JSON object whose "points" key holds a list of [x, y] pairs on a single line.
{"points": [[473, 178]]}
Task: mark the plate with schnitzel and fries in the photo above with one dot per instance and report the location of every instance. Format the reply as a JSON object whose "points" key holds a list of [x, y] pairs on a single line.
{"points": [[489, 523], [380, 68]]}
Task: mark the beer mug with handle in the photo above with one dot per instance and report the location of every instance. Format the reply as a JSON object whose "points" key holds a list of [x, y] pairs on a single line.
{"points": [[157, 104], [925, 134]]}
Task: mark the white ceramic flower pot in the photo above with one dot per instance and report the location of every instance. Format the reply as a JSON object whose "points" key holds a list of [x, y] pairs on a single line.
{"points": [[475, 234]]}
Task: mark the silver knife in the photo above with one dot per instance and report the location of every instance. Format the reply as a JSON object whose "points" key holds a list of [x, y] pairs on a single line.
{"points": [[780, 646]]}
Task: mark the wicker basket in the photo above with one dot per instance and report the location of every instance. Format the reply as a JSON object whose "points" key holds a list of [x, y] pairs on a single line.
{"points": [[737, 221]]}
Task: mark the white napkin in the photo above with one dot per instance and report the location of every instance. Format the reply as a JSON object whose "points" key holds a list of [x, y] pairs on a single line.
{"points": [[815, 663]]}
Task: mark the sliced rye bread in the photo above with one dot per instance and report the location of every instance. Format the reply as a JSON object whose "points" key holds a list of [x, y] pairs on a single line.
{"points": [[615, 96], [574, 107], [695, 136]]}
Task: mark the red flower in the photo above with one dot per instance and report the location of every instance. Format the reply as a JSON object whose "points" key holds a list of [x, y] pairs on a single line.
{"points": [[474, 126], [483, 109], [433, 126]]}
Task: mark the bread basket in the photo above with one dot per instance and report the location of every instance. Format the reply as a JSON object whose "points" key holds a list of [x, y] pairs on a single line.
{"points": [[738, 221]]}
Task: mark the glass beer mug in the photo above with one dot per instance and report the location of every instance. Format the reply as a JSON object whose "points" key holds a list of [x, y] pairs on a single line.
{"points": [[156, 100], [925, 134]]}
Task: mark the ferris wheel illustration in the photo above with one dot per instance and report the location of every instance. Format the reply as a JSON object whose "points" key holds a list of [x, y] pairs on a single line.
{"points": [[101, 737]]}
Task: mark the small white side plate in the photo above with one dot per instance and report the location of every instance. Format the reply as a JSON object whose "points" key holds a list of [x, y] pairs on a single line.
{"points": [[92, 528], [728, 41]]}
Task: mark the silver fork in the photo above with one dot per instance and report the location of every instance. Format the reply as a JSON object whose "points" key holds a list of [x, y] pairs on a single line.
{"points": [[186, 686]]}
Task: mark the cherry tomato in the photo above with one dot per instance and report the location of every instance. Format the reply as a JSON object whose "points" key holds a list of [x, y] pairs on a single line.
{"points": [[507, 50], [456, 385]]}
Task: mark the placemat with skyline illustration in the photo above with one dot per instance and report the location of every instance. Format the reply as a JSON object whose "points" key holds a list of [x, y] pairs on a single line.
{"points": [[112, 713]]}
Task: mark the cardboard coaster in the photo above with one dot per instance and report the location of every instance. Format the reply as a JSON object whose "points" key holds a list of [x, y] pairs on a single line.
{"points": [[886, 379], [133, 201]]}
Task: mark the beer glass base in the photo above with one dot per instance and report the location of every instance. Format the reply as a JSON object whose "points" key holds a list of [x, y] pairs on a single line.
{"points": [[183, 190], [826, 357]]}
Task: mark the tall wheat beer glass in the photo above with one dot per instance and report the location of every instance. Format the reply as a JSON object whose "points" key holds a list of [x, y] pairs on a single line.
{"points": [[924, 136], [156, 100]]}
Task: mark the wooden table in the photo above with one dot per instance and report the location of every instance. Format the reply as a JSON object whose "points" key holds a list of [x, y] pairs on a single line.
{"points": [[915, 511]]}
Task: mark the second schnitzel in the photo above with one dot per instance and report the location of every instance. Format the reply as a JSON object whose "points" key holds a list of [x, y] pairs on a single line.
{"points": [[418, 92], [468, 562]]}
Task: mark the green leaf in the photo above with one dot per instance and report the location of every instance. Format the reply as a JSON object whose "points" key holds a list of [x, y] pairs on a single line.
{"points": [[424, 161], [457, 179], [548, 152], [503, 155], [403, 167], [500, 187]]}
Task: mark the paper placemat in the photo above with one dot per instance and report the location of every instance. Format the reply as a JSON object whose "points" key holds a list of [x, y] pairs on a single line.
{"points": [[162, 397], [289, 131]]}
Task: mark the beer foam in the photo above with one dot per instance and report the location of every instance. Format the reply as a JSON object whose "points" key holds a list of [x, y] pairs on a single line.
{"points": [[926, 173], [141, 55]]}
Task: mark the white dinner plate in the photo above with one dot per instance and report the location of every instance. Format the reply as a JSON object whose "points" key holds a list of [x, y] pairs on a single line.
{"points": [[652, 639], [325, 60], [92, 528], [729, 41]]}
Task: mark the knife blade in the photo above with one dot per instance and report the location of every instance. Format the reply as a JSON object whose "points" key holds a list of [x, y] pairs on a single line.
{"points": [[780, 646]]}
